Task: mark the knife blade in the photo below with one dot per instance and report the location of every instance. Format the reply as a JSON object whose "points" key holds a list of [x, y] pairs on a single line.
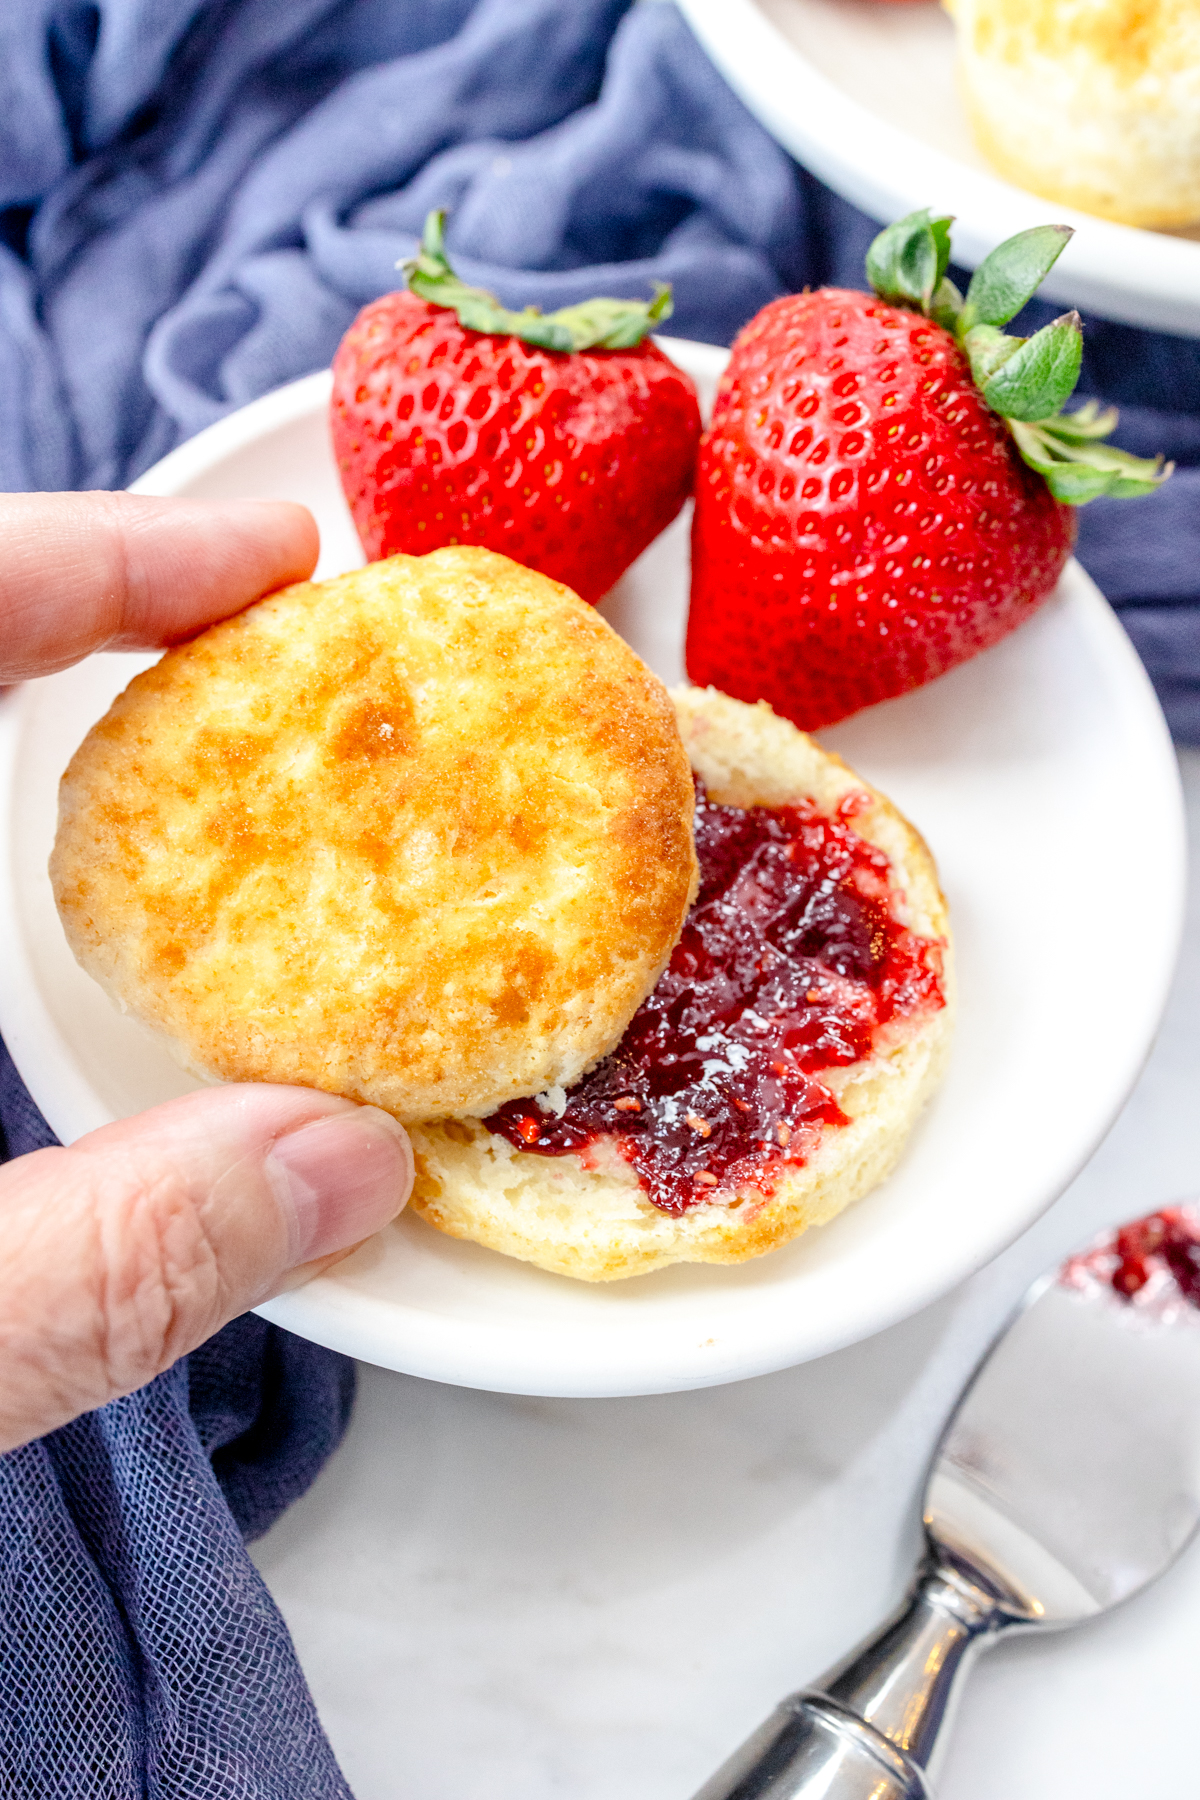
{"points": [[1066, 1479]]}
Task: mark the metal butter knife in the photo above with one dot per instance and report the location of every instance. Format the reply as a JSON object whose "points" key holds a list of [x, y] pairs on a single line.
{"points": [[1067, 1478]]}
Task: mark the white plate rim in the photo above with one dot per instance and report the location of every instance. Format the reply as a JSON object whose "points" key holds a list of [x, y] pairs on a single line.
{"points": [[512, 1357], [1121, 272]]}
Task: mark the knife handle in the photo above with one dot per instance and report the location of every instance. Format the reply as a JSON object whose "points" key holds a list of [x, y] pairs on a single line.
{"points": [[812, 1749], [869, 1729]]}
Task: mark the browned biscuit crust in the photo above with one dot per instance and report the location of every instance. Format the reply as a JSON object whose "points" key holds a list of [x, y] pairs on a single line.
{"points": [[420, 835]]}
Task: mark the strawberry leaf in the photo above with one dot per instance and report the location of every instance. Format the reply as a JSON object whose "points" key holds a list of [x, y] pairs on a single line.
{"points": [[594, 325], [1012, 274], [1037, 375], [1025, 380], [988, 350], [940, 228], [614, 324], [907, 261], [1076, 466], [1086, 423], [946, 305]]}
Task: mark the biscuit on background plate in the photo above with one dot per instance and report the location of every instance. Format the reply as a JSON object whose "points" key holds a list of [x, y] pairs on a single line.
{"points": [[420, 835], [1093, 103]]}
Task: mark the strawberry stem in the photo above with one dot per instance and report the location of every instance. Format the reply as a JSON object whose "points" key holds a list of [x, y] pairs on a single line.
{"points": [[593, 325], [1026, 380]]}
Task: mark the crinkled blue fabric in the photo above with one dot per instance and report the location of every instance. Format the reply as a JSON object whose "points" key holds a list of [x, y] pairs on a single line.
{"points": [[196, 196], [140, 1653]]}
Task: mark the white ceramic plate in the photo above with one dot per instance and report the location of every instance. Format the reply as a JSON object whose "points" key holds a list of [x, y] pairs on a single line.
{"points": [[864, 95], [1042, 776]]}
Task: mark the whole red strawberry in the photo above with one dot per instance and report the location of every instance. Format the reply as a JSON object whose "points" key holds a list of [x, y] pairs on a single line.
{"points": [[882, 491], [567, 440]]}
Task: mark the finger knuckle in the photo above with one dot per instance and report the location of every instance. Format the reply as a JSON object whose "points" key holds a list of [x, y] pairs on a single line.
{"points": [[157, 1284]]}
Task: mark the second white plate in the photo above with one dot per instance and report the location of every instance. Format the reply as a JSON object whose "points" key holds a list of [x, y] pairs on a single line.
{"points": [[863, 94], [1042, 776]]}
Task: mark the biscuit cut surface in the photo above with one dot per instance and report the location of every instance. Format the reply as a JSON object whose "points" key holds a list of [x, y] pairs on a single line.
{"points": [[420, 835], [596, 1223], [1093, 103]]}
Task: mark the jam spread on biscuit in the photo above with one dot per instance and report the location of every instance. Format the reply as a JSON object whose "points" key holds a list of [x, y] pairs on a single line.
{"points": [[790, 962], [1152, 1260]]}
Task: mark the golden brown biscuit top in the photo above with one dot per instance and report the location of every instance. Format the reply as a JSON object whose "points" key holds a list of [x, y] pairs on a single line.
{"points": [[1131, 38], [421, 834]]}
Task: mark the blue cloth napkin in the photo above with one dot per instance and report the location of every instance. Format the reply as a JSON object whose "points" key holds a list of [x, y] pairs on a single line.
{"points": [[196, 196], [140, 1653]]}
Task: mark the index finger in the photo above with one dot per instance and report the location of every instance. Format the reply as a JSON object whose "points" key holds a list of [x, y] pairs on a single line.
{"points": [[84, 572]]}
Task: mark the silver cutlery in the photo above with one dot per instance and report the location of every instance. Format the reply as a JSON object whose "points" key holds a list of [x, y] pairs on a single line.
{"points": [[1067, 1478]]}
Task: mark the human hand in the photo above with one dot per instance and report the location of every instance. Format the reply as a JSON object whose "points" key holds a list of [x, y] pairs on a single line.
{"points": [[123, 1252]]}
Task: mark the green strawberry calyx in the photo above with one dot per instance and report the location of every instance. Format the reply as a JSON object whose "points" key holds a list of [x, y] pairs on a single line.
{"points": [[1025, 380], [593, 325]]}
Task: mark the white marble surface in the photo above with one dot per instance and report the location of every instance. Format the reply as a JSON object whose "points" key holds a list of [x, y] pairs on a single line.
{"points": [[521, 1599]]}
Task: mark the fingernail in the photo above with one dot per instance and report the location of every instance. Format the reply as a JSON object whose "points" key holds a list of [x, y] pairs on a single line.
{"points": [[340, 1179]]}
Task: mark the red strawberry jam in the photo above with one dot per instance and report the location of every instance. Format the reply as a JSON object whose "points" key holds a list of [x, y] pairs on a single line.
{"points": [[1157, 1258], [791, 961]]}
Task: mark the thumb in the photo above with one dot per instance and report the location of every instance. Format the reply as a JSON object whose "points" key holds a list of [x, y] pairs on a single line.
{"points": [[124, 1252]]}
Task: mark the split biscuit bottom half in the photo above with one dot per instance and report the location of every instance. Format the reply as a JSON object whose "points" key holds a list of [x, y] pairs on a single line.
{"points": [[597, 1224]]}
